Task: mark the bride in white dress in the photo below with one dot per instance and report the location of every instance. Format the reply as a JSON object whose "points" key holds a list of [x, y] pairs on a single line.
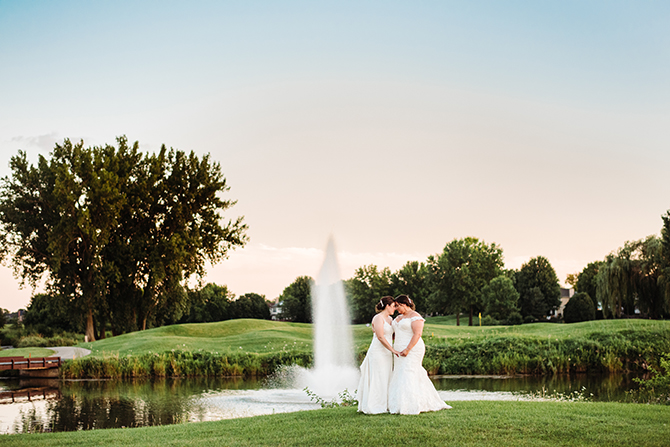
{"points": [[376, 369], [410, 391]]}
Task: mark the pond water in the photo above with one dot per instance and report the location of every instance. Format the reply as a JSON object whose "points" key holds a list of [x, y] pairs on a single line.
{"points": [[56, 405]]}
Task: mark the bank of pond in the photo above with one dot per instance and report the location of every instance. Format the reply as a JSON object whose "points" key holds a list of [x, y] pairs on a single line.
{"points": [[625, 351]]}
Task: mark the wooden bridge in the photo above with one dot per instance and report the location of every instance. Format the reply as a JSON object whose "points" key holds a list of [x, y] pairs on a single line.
{"points": [[29, 363]]}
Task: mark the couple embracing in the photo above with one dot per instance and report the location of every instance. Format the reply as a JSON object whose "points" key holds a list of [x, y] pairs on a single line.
{"points": [[392, 377]]}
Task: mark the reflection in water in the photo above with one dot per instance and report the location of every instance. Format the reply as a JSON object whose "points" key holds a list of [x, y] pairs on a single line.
{"points": [[87, 405], [596, 387]]}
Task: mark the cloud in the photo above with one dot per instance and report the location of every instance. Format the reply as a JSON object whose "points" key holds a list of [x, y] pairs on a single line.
{"points": [[44, 142]]}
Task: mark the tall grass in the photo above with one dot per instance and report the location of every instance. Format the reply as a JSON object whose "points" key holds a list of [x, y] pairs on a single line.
{"points": [[181, 364], [625, 351]]}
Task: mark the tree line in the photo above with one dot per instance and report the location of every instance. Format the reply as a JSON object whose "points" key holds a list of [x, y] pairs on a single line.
{"points": [[634, 278], [115, 233], [468, 277]]}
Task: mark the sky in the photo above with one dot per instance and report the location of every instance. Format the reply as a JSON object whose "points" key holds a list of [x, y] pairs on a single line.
{"points": [[393, 126]]}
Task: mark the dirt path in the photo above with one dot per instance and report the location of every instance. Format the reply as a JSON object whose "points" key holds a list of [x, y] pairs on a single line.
{"points": [[70, 352]]}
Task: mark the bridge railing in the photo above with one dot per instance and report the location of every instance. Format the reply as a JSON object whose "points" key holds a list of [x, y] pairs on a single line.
{"points": [[29, 363]]}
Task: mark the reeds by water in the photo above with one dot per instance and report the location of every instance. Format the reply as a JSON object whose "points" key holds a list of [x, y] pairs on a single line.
{"points": [[181, 364], [625, 351], [632, 350]]}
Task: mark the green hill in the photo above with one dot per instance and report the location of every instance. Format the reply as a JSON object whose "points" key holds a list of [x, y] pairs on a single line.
{"points": [[263, 336]]}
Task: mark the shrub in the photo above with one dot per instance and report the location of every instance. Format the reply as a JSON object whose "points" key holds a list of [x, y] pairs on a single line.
{"points": [[514, 319], [488, 320], [37, 341], [579, 308]]}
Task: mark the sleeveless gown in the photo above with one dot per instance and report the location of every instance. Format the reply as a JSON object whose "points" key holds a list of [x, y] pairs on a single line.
{"points": [[411, 391], [373, 387]]}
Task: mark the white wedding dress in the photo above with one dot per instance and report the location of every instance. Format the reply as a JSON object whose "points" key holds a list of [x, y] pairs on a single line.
{"points": [[373, 388], [411, 391]]}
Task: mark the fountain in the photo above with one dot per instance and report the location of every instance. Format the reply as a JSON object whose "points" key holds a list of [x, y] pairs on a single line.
{"points": [[334, 366]]}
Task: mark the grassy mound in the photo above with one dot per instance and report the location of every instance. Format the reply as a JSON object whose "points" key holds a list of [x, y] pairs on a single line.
{"points": [[243, 335], [467, 424]]}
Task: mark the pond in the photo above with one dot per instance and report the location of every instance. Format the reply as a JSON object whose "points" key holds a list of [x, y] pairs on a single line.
{"points": [[38, 405]]}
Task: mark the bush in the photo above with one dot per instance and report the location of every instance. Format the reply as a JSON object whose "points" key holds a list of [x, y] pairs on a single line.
{"points": [[579, 308], [37, 341], [488, 320], [514, 319]]}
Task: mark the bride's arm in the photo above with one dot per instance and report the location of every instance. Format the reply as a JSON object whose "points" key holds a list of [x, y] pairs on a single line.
{"points": [[378, 326], [417, 330]]}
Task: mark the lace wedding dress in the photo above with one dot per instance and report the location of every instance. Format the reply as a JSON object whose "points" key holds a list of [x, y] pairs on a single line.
{"points": [[373, 388], [411, 391]]}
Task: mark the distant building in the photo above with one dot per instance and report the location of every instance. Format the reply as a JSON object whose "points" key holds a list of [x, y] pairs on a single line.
{"points": [[275, 310], [18, 315], [566, 294]]}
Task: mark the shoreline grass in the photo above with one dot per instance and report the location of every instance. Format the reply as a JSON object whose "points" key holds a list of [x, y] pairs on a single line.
{"points": [[473, 423]]}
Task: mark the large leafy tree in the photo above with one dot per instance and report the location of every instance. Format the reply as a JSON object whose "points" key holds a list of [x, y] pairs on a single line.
{"points": [[538, 287], [115, 231], [251, 305], [664, 270], [458, 275], [366, 288], [47, 315], [632, 277], [587, 280], [296, 300], [411, 279], [500, 298]]}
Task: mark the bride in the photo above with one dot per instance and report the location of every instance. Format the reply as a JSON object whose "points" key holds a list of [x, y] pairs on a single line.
{"points": [[373, 387], [410, 391]]}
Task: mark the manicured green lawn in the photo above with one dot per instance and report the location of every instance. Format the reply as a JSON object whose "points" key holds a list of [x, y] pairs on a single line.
{"points": [[446, 327], [226, 336], [467, 424], [263, 336], [25, 352]]}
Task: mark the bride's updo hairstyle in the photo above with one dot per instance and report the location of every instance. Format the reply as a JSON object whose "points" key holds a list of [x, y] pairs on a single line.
{"points": [[406, 300], [385, 301]]}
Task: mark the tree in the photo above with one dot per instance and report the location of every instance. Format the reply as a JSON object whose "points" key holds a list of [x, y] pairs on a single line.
{"points": [[500, 298], [632, 278], [114, 231], [579, 308], [48, 315], [251, 305], [210, 303], [458, 275], [664, 268], [366, 288], [296, 300], [411, 279], [538, 287], [587, 279]]}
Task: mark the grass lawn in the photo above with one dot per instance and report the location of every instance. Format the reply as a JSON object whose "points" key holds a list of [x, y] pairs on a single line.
{"points": [[246, 335], [446, 327], [262, 336], [25, 352], [467, 424]]}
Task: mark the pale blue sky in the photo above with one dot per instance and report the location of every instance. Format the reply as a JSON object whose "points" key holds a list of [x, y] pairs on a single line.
{"points": [[395, 126]]}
